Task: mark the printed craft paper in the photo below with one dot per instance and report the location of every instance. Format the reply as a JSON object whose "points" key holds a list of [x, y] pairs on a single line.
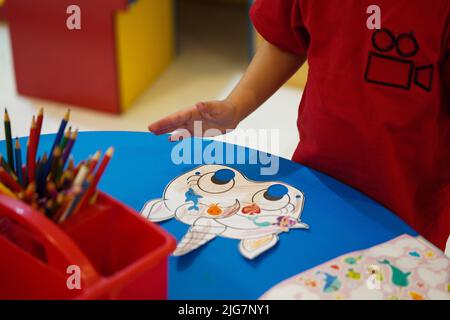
{"points": [[404, 268], [217, 200]]}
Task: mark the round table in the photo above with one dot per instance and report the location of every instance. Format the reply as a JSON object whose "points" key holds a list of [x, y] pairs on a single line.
{"points": [[341, 219]]}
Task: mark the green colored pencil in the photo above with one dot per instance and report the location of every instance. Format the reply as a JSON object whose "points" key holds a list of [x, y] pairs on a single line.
{"points": [[9, 143], [65, 139]]}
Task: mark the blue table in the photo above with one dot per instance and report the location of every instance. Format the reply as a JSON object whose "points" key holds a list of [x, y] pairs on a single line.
{"points": [[341, 219]]}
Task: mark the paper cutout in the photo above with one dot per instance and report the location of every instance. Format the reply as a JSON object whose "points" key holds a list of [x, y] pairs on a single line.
{"points": [[403, 268], [217, 200]]}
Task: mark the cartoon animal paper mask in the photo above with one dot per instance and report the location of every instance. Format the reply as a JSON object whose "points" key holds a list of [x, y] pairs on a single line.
{"points": [[216, 200]]}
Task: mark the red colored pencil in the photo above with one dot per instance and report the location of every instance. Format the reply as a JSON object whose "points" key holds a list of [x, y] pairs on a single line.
{"points": [[98, 174], [94, 161]]}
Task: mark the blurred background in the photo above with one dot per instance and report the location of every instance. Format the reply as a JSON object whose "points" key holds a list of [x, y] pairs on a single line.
{"points": [[131, 63]]}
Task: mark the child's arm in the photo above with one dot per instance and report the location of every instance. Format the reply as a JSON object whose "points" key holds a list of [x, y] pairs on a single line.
{"points": [[269, 70]]}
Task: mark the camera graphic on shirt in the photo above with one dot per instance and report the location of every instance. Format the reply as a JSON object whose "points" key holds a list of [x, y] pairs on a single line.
{"points": [[396, 71]]}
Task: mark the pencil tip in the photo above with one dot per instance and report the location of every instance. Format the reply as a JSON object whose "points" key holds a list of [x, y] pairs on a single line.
{"points": [[110, 152], [57, 151], [74, 134], [67, 115]]}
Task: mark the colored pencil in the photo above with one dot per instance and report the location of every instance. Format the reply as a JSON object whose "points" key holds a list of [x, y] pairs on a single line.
{"points": [[59, 169], [76, 191], [30, 190], [9, 181], [71, 165], [98, 174], [77, 168], [69, 146], [18, 152], [39, 121], [40, 177], [66, 179], [56, 143], [64, 202], [66, 137], [31, 152], [58, 204], [48, 207], [8, 137], [44, 159], [55, 162], [45, 183], [81, 176], [94, 161], [5, 190], [5, 165], [77, 203]]}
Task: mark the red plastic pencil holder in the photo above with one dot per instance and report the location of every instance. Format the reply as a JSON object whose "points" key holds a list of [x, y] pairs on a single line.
{"points": [[118, 254]]}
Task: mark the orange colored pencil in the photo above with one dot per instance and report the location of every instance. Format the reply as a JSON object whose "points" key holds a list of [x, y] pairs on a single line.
{"points": [[5, 190], [9, 181], [31, 154]]}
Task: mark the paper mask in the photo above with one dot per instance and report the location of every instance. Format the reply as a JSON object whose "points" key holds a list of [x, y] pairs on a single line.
{"points": [[217, 200]]}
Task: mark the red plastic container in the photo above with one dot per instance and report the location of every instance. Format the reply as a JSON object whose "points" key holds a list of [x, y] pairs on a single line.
{"points": [[120, 254]]}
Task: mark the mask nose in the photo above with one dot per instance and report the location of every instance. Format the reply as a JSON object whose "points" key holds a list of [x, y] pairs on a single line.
{"points": [[214, 210]]}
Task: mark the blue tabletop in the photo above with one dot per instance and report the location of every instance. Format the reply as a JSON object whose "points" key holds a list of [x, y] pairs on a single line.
{"points": [[341, 219]]}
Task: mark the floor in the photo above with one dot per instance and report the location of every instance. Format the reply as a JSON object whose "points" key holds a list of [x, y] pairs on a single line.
{"points": [[209, 64]]}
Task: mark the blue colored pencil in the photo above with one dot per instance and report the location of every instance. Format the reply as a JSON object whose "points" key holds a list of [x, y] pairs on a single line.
{"points": [[47, 166]]}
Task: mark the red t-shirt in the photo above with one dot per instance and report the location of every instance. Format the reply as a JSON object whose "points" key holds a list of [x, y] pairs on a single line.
{"points": [[375, 112]]}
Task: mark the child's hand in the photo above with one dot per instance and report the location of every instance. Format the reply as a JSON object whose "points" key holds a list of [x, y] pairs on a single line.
{"points": [[221, 115], [254, 88]]}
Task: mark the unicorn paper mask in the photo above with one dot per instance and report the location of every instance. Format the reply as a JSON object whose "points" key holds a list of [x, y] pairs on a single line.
{"points": [[216, 200]]}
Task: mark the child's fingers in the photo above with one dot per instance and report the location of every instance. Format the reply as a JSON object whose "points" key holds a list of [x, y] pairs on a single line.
{"points": [[164, 131], [172, 128], [172, 121], [180, 134]]}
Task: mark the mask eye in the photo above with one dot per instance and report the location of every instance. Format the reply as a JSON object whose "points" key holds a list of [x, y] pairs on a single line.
{"points": [[222, 176], [273, 198], [217, 182], [275, 192]]}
